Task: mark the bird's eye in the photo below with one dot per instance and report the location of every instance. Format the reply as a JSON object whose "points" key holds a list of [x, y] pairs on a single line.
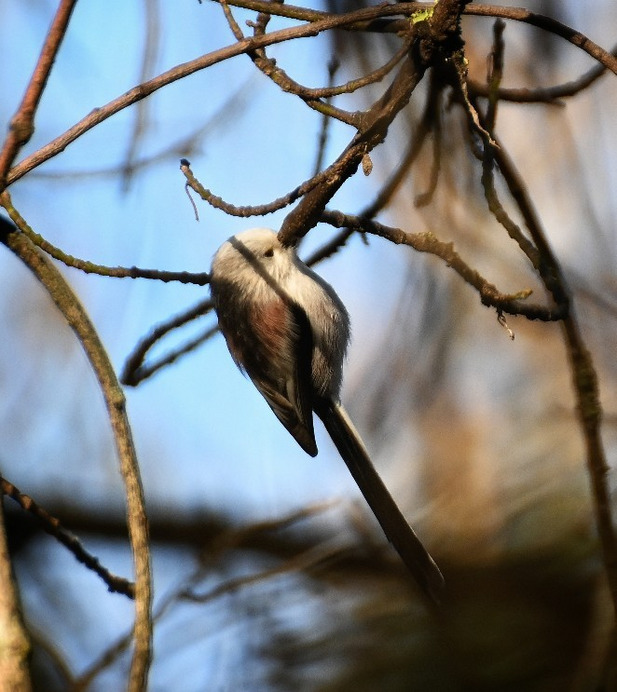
{"points": [[269, 252]]}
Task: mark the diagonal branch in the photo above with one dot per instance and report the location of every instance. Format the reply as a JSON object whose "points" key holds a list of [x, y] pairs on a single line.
{"points": [[511, 303], [145, 89], [54, 528], [22, 124]]}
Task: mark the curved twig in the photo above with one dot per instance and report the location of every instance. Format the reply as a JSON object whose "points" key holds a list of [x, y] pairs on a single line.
{"points": [[134, 371], [550, 95], [319, 23], [200, 279], [145, 89], [74, 313]]}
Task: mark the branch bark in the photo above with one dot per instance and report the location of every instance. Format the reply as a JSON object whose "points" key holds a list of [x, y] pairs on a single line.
{"points": [[14, 642], [22, 124], [74, 313]]}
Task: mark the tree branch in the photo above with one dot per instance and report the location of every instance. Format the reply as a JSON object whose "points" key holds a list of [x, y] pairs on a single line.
{"points": [[54, 528], [68, 304], [22, 123], [14, 642]]}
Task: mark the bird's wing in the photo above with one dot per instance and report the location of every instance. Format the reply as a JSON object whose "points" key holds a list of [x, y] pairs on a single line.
{"points": [[273, 344], [287, 387]]}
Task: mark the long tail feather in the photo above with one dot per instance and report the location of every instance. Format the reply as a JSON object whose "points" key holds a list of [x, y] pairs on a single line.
{"points": [[395, 526]]}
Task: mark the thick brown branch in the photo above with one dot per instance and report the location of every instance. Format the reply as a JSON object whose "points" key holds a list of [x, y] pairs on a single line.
{"points": [[440, 36]]}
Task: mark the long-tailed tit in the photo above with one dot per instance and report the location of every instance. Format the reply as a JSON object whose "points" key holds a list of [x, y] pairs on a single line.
{"points": [[288, 330]]}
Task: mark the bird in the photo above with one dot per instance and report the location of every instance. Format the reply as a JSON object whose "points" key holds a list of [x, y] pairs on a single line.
{"points": [[288, 331]]}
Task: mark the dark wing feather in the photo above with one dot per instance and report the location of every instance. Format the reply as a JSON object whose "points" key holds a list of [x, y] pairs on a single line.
{"points": [[288, 386], [273, 344]]}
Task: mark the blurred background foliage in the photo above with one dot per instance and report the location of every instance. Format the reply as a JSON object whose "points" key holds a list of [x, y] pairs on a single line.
{"points": [[258, 584]]}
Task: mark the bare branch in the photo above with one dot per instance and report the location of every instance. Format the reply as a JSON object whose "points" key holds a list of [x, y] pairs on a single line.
{"points": [[576, 38], [54, 528], [22, 124], [440, 38], [87, 267], [517, 14], [14, 643], [140, 123], [180, 71], [68, 304], [550, 95], [134, 371], [511, 303]]}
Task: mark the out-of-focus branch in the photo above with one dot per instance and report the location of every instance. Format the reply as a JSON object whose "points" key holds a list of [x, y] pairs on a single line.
{"points": [[550, 25], [68, 304], [22, 123], [14, 643], [151, 48], [135, 371], [586, 388], [584, 375], [302, 556], [550, 95]]}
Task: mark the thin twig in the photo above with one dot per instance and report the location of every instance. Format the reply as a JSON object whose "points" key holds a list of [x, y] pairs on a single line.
{"points": [[145, 89], [143, 372], [517, 14], [247, 210], [318, 22], [550, 95], [22, 123], [511, 303], [133, 371], [550, 25], [299, 563], [140, 121], [324, 130], [583, 370], [199, 279], [54, 528], [230, 539], [443, 31], [585, 377]]}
